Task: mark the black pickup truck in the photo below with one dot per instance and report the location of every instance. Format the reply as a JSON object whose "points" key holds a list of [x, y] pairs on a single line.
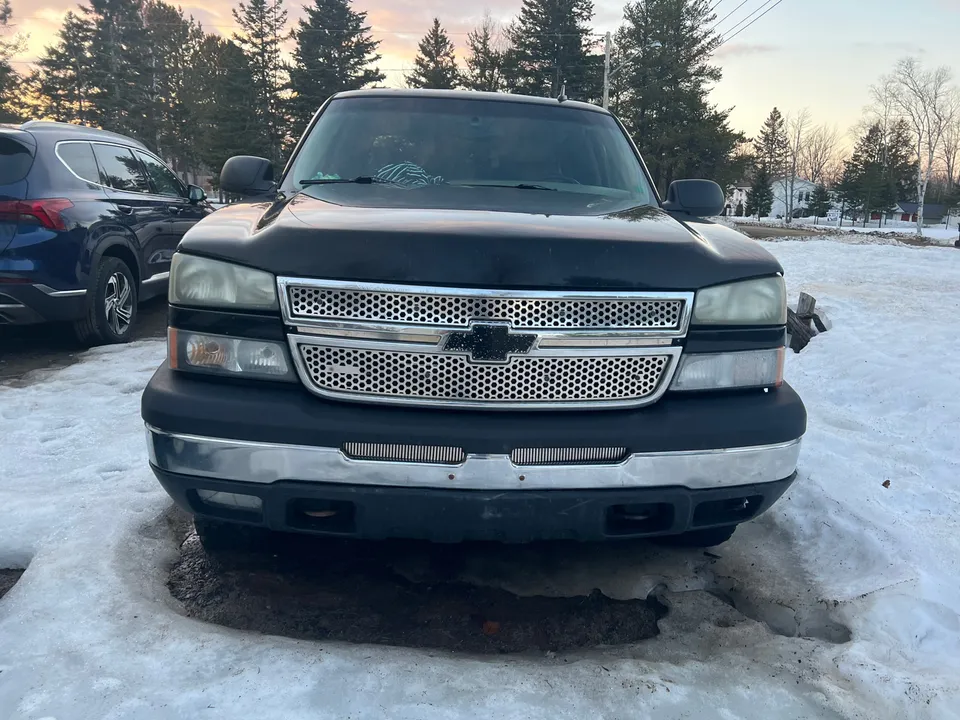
{"points": [[460, 315]]}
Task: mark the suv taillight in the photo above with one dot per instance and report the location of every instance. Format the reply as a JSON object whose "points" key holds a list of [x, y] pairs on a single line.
{"points": [[46, 212]]}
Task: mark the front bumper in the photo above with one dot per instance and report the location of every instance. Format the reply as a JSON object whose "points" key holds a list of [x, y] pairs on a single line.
{"points": [[25, 304], [694, 461]]}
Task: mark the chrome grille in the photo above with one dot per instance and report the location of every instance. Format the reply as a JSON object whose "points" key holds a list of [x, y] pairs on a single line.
{"points": [[568, 456], [435, 454], [442, 310], [430, 377]]}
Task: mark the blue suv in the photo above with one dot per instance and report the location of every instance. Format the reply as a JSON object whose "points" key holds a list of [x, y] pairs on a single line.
{"points": [[88, 223]]}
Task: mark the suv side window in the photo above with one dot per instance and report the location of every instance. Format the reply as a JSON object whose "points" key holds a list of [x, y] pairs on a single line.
{"points": [[163, 179], [119, 169], [78, 157]]}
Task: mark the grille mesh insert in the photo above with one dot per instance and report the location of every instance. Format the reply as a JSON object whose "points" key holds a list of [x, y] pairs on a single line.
{"points": [[568, 456], [436, 454], [459, 311], [526, 380]]}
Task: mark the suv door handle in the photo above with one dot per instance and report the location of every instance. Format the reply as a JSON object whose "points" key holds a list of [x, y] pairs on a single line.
{"points": [[125, 209], [175, 209]]}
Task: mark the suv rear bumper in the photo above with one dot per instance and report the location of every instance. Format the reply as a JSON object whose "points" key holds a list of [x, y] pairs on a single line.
{"points": [[693, 462], [25, 304]]}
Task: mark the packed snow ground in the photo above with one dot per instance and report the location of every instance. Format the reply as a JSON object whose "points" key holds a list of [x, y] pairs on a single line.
{"points": [[91, 631], [936, 234]]}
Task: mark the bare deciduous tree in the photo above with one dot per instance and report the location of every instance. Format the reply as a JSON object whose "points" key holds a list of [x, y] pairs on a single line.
{"points": [[796, 144], [819, 153], [929, 103], [950, 150]]}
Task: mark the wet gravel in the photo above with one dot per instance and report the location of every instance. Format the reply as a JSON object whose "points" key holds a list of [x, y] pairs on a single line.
{"points": [[352, 591]]}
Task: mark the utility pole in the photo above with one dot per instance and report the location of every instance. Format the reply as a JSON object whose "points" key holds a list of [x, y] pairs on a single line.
{"points": [[606, 71]]}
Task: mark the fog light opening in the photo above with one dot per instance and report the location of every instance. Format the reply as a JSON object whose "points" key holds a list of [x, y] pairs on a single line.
{"points": [[231, 501]]}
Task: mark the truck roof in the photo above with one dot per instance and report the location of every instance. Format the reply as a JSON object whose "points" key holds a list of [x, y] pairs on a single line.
{"points": [[470, 95]]}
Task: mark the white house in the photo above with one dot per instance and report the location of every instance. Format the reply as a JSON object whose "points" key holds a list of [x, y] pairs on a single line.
{"points": [[736, 196], [802, 192]]}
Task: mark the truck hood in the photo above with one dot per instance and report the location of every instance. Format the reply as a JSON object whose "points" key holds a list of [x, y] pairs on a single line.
{"points": [[639, 249]]}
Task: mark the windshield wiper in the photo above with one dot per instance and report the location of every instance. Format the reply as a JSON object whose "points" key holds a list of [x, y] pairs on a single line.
{"points": [[518, 186], [362, 180]]}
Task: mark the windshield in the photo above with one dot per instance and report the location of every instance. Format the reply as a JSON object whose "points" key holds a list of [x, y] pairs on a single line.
{"points": [[428, 147]]}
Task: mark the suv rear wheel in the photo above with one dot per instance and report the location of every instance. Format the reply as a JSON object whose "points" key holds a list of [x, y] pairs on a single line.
{"points": [[113, 309]]}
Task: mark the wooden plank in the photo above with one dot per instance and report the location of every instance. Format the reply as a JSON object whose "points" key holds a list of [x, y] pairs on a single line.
{"points": [[806, 305], [799, 330]]}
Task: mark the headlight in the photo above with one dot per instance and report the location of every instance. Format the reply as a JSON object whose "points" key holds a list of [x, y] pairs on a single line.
{"points": [[212, 283], [222, 355], [720, 371], [751, 302]]}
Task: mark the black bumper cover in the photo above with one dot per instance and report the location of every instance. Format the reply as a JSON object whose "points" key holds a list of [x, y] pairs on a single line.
{"points": [[442, 515]]}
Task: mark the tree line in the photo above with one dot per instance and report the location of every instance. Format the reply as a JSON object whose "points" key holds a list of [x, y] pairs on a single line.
{"points": [[906, 148], [144, 68]]}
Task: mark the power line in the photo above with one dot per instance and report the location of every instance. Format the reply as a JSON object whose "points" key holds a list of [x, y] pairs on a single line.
{"points": [[729, 37], [717, 23]]}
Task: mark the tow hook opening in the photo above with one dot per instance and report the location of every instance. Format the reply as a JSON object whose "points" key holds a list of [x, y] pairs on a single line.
{"points": [[330, 516], [639, 518]]}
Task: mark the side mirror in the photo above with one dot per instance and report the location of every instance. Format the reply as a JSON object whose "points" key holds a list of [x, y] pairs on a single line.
{"points": [[700, 198], [196, 194], [247, 175]]}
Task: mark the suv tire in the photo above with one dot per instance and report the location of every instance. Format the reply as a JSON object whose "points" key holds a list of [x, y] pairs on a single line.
{"points": [[218, 538], [708, 537], [113, 310]]}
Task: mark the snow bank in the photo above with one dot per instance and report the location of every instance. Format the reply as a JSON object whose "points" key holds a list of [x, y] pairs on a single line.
{"points": [[91, 632]]}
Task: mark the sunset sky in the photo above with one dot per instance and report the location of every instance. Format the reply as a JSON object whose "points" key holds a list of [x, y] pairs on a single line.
{"points": [[819, 54]]}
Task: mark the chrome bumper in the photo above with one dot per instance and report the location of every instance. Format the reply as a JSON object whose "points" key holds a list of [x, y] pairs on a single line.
{"points": [[266, 463]]}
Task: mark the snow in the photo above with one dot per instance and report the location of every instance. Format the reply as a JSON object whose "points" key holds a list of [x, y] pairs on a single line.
{"points": [[90, 631], [935, 234]]}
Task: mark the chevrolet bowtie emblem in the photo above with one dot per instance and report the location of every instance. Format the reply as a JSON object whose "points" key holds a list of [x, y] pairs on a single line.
{"points": [[489, 343]]}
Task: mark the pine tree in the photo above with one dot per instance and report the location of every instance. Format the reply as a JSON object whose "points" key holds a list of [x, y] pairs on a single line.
{"points": [[901, 162], [121, 99], [553, 46], [820, 201], [65, 71], [263, 31], [10, 80], [435, 65], [760, 194], [228, 123], [848, 191], [867, 184], [664, 93], [173, 59], [485, 61], [771, 145], [334, 52]]}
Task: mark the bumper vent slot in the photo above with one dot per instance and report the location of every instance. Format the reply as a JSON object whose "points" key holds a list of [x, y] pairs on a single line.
{"points": [[569, 456], [432, 454]]}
